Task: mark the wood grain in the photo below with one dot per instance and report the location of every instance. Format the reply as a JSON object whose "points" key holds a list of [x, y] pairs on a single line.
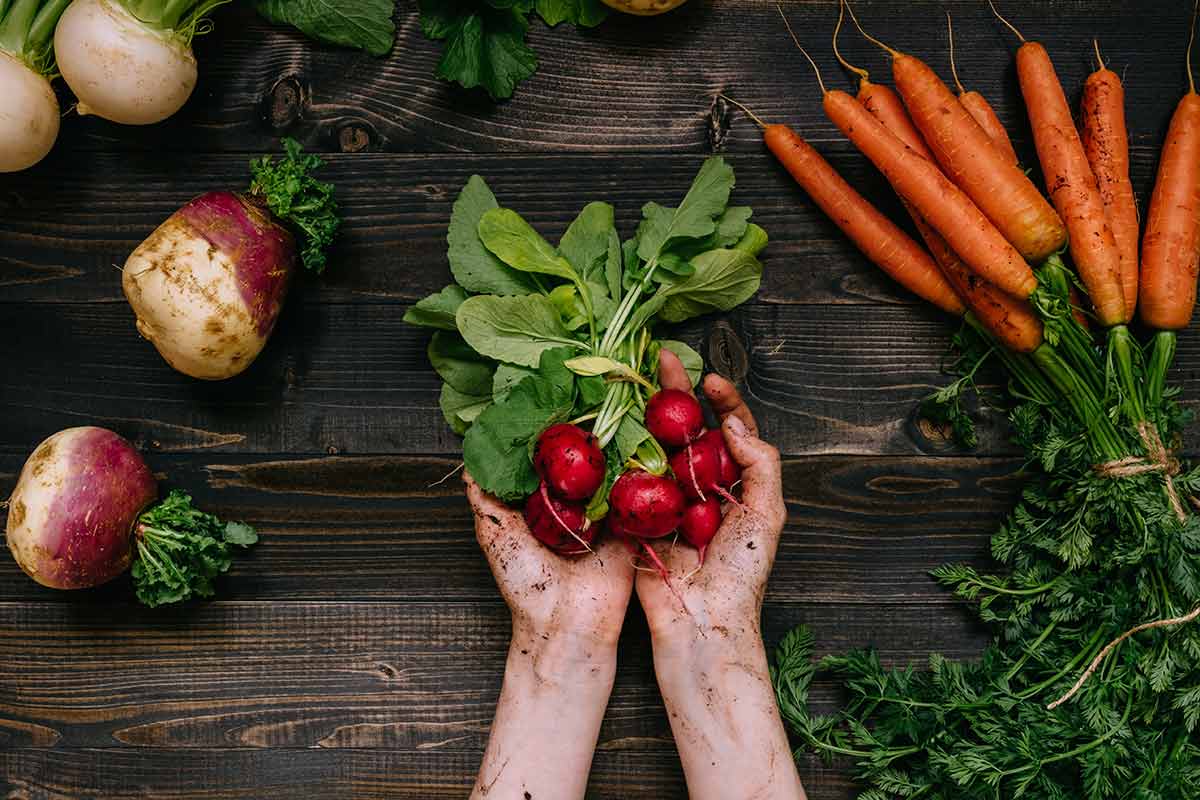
{"points": [[632, 84], [338, 528]]}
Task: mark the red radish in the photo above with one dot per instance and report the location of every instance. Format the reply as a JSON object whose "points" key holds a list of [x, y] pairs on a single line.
{"points": [[700, 523], [207, 286], [645, 506], [559, 524], [84, 510], [674, 417], [570, 461], [729, 473], [697, 468]]}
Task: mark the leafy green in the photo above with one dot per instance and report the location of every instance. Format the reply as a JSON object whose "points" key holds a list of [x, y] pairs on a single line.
{"points": [[587, 242], [496, 448], [694, 218], [723, 279], [303, 203], [459, 365], [515, 242], [513, 329], [508, 376], [472, 264], [437, 310], [181, 550], [485, 39], [363, 24], [460, 409]]}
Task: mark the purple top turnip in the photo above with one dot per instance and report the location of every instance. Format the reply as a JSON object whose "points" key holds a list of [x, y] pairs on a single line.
{"points": [[84, 510], [208, 285], [29, 112]]}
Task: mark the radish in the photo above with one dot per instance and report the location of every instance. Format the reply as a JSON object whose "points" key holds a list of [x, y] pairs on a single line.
{"points": [[645, 506], [130, 61], [674, 417], [697, 467], [83, 510], [207, 286], [701, 520], [559, 524], [29, 112], [570, 461], [728, 473]]}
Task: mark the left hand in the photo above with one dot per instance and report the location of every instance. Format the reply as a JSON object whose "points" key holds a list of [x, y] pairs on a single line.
{"points": [[580, 597]]}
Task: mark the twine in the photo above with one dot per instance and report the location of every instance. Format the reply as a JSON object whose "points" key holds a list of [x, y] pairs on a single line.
{"points": [[1158, 459], [1145, 626]]}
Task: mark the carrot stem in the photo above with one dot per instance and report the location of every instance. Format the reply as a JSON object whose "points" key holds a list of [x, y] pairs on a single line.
{"points": [[1162, 355], [1121, 349], [1082, 400]]}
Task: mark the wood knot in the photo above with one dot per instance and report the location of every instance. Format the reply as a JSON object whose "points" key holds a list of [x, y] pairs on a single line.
{"points": [[284, 103], [356, 137], [717, 124], [726, 352]]}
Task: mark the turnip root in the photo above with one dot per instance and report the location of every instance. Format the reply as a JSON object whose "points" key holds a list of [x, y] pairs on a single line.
{"points": [[29, 112], [674, 417], [130, 61], [559, 524], [208, 285], [84, 509], [570, 461]]}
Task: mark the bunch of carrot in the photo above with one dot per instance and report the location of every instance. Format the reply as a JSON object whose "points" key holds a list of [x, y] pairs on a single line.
{"points": [[993, 241]]}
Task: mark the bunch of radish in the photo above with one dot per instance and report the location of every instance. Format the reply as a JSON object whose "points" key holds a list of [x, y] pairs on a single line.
{"points": [[643, 506]]}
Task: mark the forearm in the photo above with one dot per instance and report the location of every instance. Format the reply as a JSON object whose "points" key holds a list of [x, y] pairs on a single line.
{"points": [[731, 740], [555, 693]]}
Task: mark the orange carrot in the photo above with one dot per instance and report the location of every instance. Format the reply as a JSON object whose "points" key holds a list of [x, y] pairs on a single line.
{"points": [[979, 108], [1070, 182], [1171, 244], [976, 165], [1106, 144]]}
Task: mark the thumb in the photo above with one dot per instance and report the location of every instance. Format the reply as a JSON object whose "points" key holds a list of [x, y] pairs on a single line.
{"points": [[762, 481]]}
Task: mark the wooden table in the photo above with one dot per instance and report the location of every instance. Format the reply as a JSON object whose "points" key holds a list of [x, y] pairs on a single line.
{"points": [[358, 651]]}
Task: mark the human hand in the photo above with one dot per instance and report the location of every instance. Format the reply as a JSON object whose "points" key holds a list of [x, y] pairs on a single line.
{"points": [[581, 597], [724, 596]]}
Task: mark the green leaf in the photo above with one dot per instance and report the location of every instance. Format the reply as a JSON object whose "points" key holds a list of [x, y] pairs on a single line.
{"points": [[614, 267], [459, 409], [694, 218], [693, 362], [587, 242], [594, 365], [723, 280], [506, 377], [459, 365], [438, 309], [473, 266], [496, 448], [753, 240], [485, 44], [304, 203], [363, 24], [580, 12], [517, 330], [511, 239], [181, 550]]}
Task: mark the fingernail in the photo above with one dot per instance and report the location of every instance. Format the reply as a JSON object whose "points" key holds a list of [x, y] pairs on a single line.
{"points": [[735, 426]]}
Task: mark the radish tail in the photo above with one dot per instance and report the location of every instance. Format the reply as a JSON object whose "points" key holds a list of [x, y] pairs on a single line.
{"points": [[661, 569], [692, 470], [550, 505]]}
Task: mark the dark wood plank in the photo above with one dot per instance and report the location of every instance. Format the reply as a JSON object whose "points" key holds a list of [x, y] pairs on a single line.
{"points": [[71, 223], [285, 774], [403, 676], [631, 84], [860, 528]]}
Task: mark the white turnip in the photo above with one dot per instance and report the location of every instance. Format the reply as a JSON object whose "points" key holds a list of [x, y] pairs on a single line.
{"points": [[29, 112], [84, 509], [570, 461], [208, 285], [130, 61]]}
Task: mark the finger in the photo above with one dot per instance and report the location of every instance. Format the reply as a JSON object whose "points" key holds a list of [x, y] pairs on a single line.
{"points": [[493, 519], [726, 401], [671, 372], [762, 479]]}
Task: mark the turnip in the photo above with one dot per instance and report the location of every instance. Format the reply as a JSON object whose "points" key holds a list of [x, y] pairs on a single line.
{"points": [[700, 523], [207, 286], [674, 417], [130, 61], [29, 112], [561, 525], [83, 510], [570, 461]]}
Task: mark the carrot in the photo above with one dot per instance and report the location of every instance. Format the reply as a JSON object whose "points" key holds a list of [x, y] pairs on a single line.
{"points": [[979, 108], [1106, 144], [976, 165], [1171, 244], [1012, 322]]}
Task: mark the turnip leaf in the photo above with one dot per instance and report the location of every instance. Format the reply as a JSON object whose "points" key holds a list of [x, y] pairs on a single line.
{"points": [[459, 365], [513, 329], [437, 310], [473, 266], [514, 241]]}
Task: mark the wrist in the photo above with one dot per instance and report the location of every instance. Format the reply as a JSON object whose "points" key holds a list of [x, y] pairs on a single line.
{"points": [[575, 653], [702, 647]]}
